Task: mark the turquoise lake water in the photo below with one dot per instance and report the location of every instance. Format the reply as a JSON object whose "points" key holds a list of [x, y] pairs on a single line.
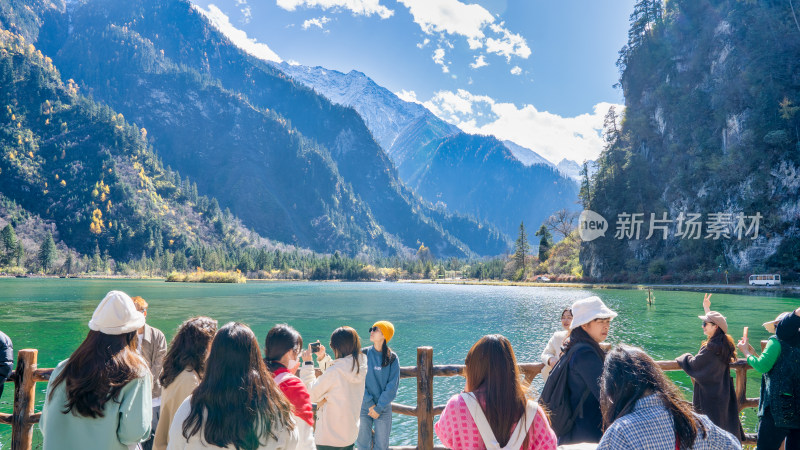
{"points": [[51, 316]]}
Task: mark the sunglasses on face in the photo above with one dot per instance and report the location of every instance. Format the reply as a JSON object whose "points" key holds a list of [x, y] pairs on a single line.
{"points": [[373, 329]]}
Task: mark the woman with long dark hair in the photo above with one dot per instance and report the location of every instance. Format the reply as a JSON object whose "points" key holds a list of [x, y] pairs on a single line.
{"points": [[339, 390], [282, 348], [582, 352], [642, 408], [183, 369], [383, 379], [100, 397], [494, 411], [237, 404], [714, 393]]}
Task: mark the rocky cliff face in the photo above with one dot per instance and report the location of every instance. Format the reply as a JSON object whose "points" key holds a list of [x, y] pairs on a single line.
{"points": [[710, 127]]}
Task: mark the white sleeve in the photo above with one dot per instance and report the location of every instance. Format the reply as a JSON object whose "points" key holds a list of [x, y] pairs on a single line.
{"points": [[550, 350], [320, 386], [176, 441]]}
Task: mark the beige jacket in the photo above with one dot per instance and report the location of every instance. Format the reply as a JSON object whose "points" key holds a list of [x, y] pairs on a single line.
{"points": [[171, 398], [154, 349], [342, 388]]}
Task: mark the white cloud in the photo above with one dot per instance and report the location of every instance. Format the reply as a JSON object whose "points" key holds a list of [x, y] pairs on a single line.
{"points": [[318, 22], [357, 7], [438, 58], [237, 36], [407, 96], [553, 136], [425, 42], [508, 45], [245, 10], [516, 70], [480, 61], [472, 21]]}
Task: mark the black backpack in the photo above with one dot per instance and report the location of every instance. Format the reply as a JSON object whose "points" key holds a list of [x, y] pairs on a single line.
{"points": [[555, 395]]}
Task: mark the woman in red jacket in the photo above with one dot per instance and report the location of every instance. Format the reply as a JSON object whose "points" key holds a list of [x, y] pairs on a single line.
{"points": [[282, 351]]}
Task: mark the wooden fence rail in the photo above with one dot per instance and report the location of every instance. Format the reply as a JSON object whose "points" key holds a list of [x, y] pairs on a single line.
{"points": [[27, 374]]}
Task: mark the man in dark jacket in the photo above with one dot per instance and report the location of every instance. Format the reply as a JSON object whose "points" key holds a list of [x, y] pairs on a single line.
{"points": [[6, 359]]}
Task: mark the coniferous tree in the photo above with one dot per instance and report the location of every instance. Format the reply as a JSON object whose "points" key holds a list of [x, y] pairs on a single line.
{"points": [[9, 240], [19, 253], [522, 247], [69, 264], [545, 243], [47, 252]]}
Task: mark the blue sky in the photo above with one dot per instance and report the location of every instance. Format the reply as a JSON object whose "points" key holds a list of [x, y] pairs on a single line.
{"points": [[538, 73]]}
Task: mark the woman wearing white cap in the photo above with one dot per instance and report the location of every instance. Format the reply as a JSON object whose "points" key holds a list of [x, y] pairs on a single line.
{"points": [[590, 323], [714, 394], [100, 398]]}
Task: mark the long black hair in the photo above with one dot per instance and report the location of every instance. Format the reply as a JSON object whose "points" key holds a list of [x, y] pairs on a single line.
{"points": [[188, 348], [345, 341], [280, 339], [578, 334], [237, 402], [387, 357], [628, 375]]}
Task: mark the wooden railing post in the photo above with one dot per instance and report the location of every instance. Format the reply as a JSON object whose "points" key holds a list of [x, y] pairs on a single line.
{"points": [[741, 386], [425, 398], [24, 399]]}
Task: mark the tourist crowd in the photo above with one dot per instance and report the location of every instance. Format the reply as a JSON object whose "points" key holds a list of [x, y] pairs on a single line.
{"points": [[212, 387]]}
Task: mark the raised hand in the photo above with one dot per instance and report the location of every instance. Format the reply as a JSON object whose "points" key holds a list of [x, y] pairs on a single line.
{"points": [[707, 302], [744, 346]]}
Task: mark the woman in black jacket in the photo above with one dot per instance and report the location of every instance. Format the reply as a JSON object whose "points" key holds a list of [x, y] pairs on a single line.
{"points": [[590, 324]]}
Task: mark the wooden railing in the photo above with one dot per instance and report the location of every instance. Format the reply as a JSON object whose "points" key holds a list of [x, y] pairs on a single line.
{"points": [[425, 371], [27, 375]]}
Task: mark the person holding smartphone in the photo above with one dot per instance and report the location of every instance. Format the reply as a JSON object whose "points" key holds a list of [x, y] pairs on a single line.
{"points": [[338, 392]]}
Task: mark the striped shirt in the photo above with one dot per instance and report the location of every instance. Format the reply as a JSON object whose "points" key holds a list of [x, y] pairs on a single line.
{"points": [[650, 426]]}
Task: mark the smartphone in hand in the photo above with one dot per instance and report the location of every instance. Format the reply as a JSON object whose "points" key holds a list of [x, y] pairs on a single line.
{"points": [[315, 347], [744, 333]]}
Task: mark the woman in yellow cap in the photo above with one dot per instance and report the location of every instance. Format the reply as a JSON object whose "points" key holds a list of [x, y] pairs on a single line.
{"points": [[383, 378]]}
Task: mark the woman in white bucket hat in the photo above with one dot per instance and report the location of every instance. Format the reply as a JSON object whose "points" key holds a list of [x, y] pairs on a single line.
{"points": [[100, 398], [591, 320]]}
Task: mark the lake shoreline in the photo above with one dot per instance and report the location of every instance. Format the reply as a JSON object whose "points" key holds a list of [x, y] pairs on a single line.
{"points": [[784, 290]]}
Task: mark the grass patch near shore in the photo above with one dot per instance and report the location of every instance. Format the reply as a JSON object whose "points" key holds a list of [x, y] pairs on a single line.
{"points": [[202, 276]]}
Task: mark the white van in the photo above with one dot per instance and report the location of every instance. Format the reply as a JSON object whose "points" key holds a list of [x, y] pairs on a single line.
{"points": [[772, 279]]}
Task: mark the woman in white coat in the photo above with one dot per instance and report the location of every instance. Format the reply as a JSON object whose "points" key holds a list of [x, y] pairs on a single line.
{"points": [[339, 391], [552, 352]]}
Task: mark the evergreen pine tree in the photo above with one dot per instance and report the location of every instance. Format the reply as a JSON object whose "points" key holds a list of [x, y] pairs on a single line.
{"points": [[545, 243], [47, 252], [521, 249], [9, 241]]}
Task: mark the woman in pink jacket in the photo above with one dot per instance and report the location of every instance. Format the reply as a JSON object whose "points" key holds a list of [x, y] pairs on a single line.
{"points": [[494, 412]]}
